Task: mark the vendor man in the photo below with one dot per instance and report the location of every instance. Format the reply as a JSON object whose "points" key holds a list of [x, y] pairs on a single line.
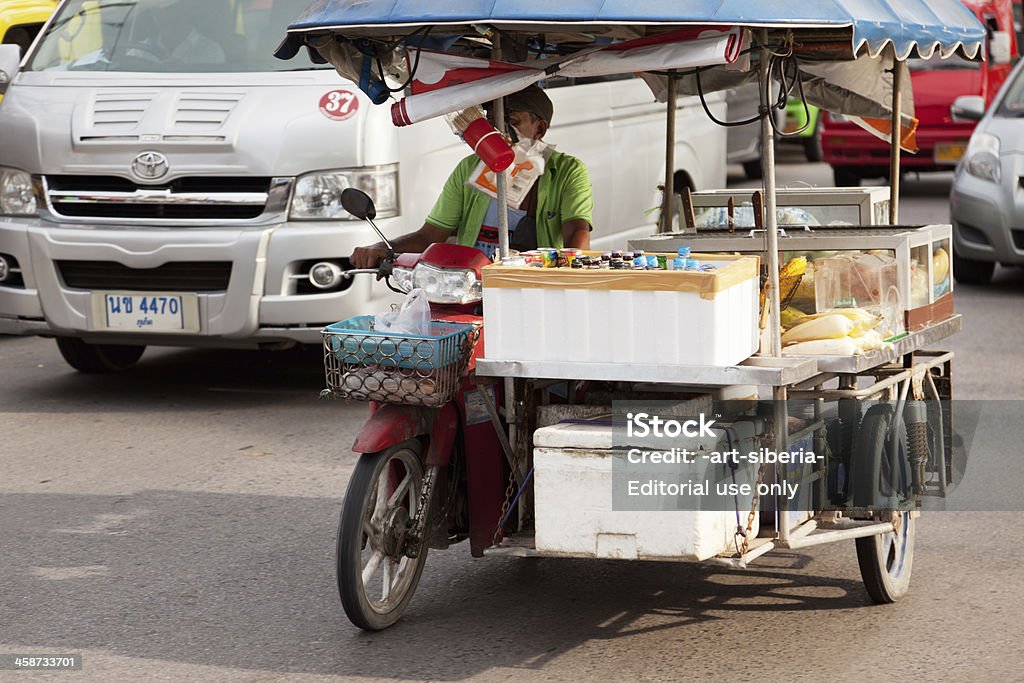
{"points": [[557, 211]]}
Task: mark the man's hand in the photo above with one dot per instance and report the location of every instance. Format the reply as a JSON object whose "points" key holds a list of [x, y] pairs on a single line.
{"points": [[369, 257], [414, 242]]}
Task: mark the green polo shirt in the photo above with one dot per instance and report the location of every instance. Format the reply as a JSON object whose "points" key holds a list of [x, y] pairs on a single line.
{"points": [[564, 193]]}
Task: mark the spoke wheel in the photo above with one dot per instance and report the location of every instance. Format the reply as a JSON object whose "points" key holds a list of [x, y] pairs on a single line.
{"points": [[376, 580], [885, 560]]}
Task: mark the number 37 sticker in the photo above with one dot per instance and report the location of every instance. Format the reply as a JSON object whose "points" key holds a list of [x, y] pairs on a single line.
{"points": [[339, 105]]}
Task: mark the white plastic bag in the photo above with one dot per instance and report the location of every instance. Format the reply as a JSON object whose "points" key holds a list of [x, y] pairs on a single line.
{"points": [[412, 317]]}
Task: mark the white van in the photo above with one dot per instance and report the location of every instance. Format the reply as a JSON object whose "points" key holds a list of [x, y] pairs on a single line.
{"points": [[164, 180]]}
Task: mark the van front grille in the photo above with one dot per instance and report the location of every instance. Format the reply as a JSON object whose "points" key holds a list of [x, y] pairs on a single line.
{"points": [[191, 198], [179, 276]]}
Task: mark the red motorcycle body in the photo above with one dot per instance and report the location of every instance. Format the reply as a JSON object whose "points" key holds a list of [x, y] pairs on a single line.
{"points": [[461, 427]]}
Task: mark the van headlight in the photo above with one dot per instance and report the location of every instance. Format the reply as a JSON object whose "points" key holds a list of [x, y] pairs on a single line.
{"points": [[317, 196], [17, 196], [982, 157]]}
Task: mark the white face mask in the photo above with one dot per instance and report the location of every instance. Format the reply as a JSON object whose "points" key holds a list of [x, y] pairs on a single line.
{"points": [[519, 135]]}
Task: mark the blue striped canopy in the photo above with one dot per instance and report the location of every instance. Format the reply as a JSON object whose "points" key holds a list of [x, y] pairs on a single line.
{"points": [[909, 25]]}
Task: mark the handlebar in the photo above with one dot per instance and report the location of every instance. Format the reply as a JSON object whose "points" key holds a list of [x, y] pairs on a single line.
{"points": [[383, 271], [356, 271]]}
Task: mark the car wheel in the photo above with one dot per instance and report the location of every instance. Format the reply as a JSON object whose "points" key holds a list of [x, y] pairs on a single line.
{"points": [[970, 272], [812, 145], [98, 358], [845, 177], [752, 169]]}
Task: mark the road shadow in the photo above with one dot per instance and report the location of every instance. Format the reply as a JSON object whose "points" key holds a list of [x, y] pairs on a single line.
{"points": [[37, 379], [247, 582]]}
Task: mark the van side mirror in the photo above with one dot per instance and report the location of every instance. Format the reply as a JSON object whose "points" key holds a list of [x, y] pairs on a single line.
{"points": [[968, 108], [10, 60], [999, 47]]}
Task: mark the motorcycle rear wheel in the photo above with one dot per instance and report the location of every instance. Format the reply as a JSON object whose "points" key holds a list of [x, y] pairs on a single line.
{"points": [[376, 580]]}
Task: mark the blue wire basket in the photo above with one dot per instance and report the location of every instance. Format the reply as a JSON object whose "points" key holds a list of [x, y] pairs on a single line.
{"points": [[366, 365]]}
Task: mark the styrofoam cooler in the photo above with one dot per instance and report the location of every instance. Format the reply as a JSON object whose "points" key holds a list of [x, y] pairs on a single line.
{"points": [[652, 317], [573, 465]]}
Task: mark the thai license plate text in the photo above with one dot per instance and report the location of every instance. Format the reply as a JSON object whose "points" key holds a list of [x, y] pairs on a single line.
{"points": [[149, 312]]}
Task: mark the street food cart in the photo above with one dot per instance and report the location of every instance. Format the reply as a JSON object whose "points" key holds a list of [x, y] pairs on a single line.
{"points": [[702, 341]]}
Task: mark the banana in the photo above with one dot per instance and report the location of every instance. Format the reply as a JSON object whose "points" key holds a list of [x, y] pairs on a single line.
{"points": [[940, 266], [791, 316], [825, 327], [823, 347]]}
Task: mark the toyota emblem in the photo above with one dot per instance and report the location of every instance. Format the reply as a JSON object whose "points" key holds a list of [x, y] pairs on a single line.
{"points": [[150, 165]]}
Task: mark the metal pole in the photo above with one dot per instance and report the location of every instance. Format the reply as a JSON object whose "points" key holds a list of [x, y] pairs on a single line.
{"points": [[770, 223], [894, 151], [779, 394], [502, 177], [670, 155]]}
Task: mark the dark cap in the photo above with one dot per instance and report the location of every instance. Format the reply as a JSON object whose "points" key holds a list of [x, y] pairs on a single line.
{"points": [[533, 100]]}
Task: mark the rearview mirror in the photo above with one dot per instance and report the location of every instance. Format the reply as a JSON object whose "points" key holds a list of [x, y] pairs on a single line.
{"points": [[999, 47], [10, 60], [358, 203], [968, 108]]}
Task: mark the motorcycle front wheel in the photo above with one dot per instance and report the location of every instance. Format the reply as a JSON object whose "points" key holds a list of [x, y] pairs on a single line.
{"points": [[376, 579]]}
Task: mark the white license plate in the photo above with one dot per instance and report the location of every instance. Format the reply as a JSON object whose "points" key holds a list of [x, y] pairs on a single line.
{"points": [[949, 152], [145, 311]]}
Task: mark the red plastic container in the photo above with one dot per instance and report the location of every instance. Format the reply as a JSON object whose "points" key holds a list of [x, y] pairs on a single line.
{"points": [[489, 145]]}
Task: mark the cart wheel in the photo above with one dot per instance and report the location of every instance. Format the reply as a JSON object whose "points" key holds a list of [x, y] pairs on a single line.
{"points": [[871, 476], [376, 580], [885, 560]]}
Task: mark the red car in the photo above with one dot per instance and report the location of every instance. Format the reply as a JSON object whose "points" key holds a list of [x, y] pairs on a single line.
{"points": [[855, 153]]}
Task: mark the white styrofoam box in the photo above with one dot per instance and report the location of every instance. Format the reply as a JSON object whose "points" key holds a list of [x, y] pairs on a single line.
{"points": [[573, 467], [603, 317]]}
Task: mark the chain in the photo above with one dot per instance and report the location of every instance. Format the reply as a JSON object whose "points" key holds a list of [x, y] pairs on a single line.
{"points": [[509, 490], [522, 446], [753, 511], [769, 437]]}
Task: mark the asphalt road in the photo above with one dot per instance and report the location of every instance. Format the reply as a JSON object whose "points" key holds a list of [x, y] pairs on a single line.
{"points": [[178, 522]]}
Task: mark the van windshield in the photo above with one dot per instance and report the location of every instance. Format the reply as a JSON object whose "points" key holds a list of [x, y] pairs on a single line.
{"points": [[169, 36]]}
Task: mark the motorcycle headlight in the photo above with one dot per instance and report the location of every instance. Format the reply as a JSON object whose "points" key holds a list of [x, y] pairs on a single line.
{"points": [[317, 196], [982, 157], [17, 197], [402, 278], [447, 285]]}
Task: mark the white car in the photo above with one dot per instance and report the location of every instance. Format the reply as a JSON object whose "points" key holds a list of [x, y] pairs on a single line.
{"points": [[985, 201]]}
